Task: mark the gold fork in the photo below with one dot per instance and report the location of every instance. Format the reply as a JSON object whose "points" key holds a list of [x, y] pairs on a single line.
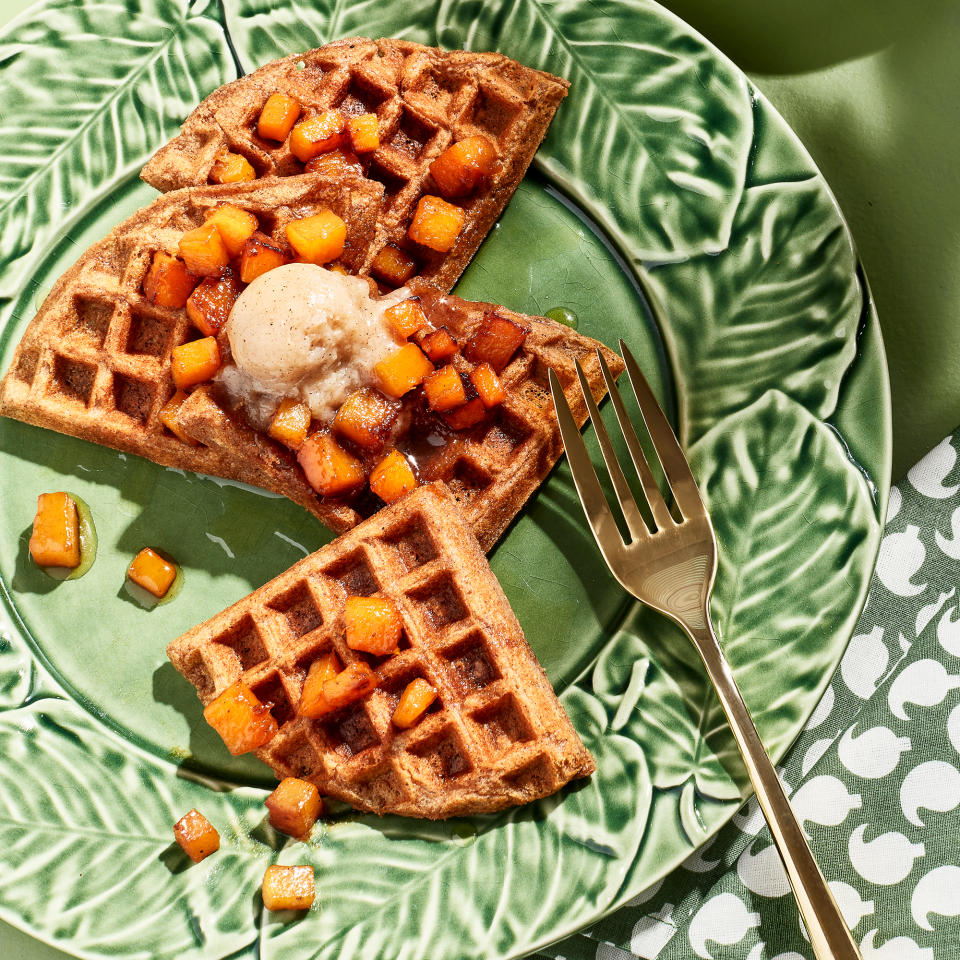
{"points": [[671, 568]]}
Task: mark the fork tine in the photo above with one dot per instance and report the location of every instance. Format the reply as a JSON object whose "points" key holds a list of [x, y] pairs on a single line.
{"points": [[635, 522], [665, 442], [594, 503], [658, 506]]}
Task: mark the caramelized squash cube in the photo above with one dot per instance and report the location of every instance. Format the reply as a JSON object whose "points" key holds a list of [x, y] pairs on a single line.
{"points": [[349, 685], [55, 540], [329, 469], [277, 117], [439, 345], [288, 888], [168, 417], [444, 389], [243, 722], [366, 418], [318, 134], [414, 703], [168, 283], [402, 370], [196, 835], [373, 625], [318, 239], [236, 226], [203, 250], [406, 317], [392, 477], [259, 255], [495, 341], [192, 363], [232, 168], [469, 415], [393, 266], [313, 703], [335, 163], [290, 423], [364, 132], [152, 572], [463, 166], [294, 807], [436, 224], [211, 302], [488, 385]]}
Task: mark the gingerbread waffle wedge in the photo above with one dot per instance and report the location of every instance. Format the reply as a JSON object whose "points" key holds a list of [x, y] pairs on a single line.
{"points": [[418, 102], [494, 736]]}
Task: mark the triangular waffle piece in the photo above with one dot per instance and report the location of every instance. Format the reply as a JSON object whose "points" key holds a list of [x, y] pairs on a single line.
{"points": [[496, 736], [424, 99]]}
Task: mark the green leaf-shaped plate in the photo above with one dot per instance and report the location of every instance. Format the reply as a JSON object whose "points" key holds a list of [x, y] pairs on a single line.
{"points": [[669, 205]]}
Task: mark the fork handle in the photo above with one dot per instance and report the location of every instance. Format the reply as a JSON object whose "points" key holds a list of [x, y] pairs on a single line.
{"points": [[829, 936]]}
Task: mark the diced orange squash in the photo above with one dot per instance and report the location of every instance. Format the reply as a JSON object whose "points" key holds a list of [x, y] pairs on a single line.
{"points": [[243, 722], [438, 345], [318, 134], [329, 469], [373, 625], [55, 540], [212, 300], [495, 341], [393, 266], [232, 168], [277, 117], [338, 268], [392, 477], [444, 389], [203, 250], [168, 417], [236, 226], [436, 224], [152, 572], [366, 418], [335, 163], [259, 255], [402, 370], [463, 165], [488, 385], [469, 415], [196, 835], [294, 807], [406, 317], [290, 423], [349, 685], [318, 239], [364, 132], [288, 888], [414, 702], [194, 362], [313, 703], [168, 283]]}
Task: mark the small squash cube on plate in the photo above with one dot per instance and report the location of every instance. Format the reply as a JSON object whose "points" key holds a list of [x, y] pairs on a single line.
{"points": [[288, 888], [351, 684], [364, 132], [444, 389], [260, 254], [317, 239], [197, 837], [488, 385], [232, 168], [152, 572], [402, 370], [372, 625], [495, 341], [318, 134], [313, 703], [469, 415], [203, 250], [436, 224], [393, 266], [236, 226], [243, 722], [414, 702], [194, 362], [294, 807], [168, 282], [212, 300], [392, 477], [438, 345], [366, 418], [463, 165], [290, 423], [406, 317], [277, 117], [55, 540], [168, 417], [329, 469]]}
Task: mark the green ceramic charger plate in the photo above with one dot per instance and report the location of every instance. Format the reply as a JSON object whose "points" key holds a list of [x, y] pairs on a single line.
{"points": [[670, 206]]}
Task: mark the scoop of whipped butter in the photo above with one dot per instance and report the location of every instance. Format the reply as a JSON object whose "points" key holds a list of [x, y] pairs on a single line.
{"points": [[306, 333]]}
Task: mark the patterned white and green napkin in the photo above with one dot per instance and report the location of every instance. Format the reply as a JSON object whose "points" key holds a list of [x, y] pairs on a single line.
{"points": [[874, 777]]}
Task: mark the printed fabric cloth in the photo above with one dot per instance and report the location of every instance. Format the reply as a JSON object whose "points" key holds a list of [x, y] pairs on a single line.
{"points": [[874, 778]]}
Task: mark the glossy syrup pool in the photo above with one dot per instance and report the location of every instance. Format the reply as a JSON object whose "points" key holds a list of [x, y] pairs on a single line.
{"points": [[109, 652]]}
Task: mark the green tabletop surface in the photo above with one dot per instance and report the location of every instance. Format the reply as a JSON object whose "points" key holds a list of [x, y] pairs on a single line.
{"points": [[870, 88]]}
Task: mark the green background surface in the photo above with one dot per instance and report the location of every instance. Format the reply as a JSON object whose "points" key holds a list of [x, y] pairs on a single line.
{"points": [[870, 87]]}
